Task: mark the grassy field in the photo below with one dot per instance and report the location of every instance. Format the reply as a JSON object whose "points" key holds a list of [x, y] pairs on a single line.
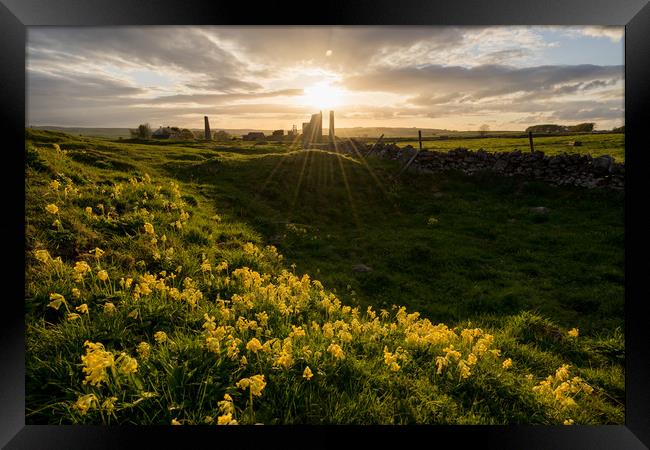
{"points": [[594, 144], [208, 243]]}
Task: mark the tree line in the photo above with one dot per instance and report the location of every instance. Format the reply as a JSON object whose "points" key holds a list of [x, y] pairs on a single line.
{"points": [[143, 131]]}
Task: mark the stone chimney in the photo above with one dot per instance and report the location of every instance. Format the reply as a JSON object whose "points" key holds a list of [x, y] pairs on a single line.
{"points": [[332, 133], [208, 135]]}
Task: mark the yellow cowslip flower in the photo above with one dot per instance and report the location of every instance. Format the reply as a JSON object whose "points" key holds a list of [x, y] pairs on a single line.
{"points": [[255, 384], [345, 336], [328, 330], [82, 267], [336, 351], [56, 301], [83, 308], [568, 422], [573, 332], [97, 252], [42, 255], [585, 387], [307, 374], [52, 208], [441, 363], [86, 403], [89, 210], [529, 377], [226, 419], [109, 404], [254, 345], [143, 349], [127, 364], [55, 185], [96, 361], [148, 228], [133, 314], [507, 363], [109, 308], [285, 359], [389, 357], [568, 402], [72, 316], [562, 373], [471, 359], [205, 266], [243, 360], [226, 405], [223, 265], [209, 324], [213, 344], [263, 318], [464, 369], [160, 336], [249, 248], [296, 331], [76, 293], [175, 422], [102, 275]]}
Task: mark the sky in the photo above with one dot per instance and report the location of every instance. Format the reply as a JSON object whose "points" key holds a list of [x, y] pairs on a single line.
{"points": [[455, 78]]}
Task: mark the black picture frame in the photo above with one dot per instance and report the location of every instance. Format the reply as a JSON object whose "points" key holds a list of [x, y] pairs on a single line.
{"points": [[16, 15]]}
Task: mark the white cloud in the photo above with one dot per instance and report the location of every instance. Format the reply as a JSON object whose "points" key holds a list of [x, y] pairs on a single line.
{"points": [[615, 34]]}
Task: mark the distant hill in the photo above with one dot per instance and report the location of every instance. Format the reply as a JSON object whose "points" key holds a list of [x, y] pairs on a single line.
{"points": [[113, 133]]}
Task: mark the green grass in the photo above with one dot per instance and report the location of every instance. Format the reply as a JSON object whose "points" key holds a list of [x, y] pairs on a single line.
{"points": [[592, 144], [485, 261]]}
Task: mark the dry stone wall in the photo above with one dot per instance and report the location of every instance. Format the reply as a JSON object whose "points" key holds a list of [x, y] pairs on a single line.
{"points": [[564, 169]]}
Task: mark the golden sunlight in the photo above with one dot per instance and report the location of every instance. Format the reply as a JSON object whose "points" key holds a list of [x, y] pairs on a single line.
{"points": [[322, 96]]}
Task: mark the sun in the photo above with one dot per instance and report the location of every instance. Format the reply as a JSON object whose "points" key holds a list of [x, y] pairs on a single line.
{"points": [[322, 96]]}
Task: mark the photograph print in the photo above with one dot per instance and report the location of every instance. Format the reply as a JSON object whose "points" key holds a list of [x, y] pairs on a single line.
{"points": [[289, 225]]}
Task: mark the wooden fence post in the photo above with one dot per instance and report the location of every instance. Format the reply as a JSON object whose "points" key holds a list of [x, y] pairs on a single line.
{"points": [[530, 140], [420, 138]]}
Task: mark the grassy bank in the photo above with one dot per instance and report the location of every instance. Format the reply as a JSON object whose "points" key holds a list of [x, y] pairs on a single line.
{"points": [[196, 308]]}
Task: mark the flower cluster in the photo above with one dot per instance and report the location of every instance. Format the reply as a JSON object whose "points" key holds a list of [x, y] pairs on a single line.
{"points": [[561, 389]]}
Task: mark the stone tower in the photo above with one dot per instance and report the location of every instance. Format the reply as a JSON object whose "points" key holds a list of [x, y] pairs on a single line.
{"points": [[208, 135], [331, 131]]}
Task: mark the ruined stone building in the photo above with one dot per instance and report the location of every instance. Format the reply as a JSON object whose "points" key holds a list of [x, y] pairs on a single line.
{"points": [[312, 131], [254, 136]]}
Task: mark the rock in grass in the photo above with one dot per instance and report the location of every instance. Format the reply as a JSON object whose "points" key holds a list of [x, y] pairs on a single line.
{"points": [[602, 164], [361, 268]]}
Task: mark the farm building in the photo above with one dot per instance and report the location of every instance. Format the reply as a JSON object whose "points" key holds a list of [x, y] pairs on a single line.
{"points": [[162, 133]]}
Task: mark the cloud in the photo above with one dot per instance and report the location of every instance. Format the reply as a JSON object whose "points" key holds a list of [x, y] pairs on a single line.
{"points": [[479, 81], [615, 34]]}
